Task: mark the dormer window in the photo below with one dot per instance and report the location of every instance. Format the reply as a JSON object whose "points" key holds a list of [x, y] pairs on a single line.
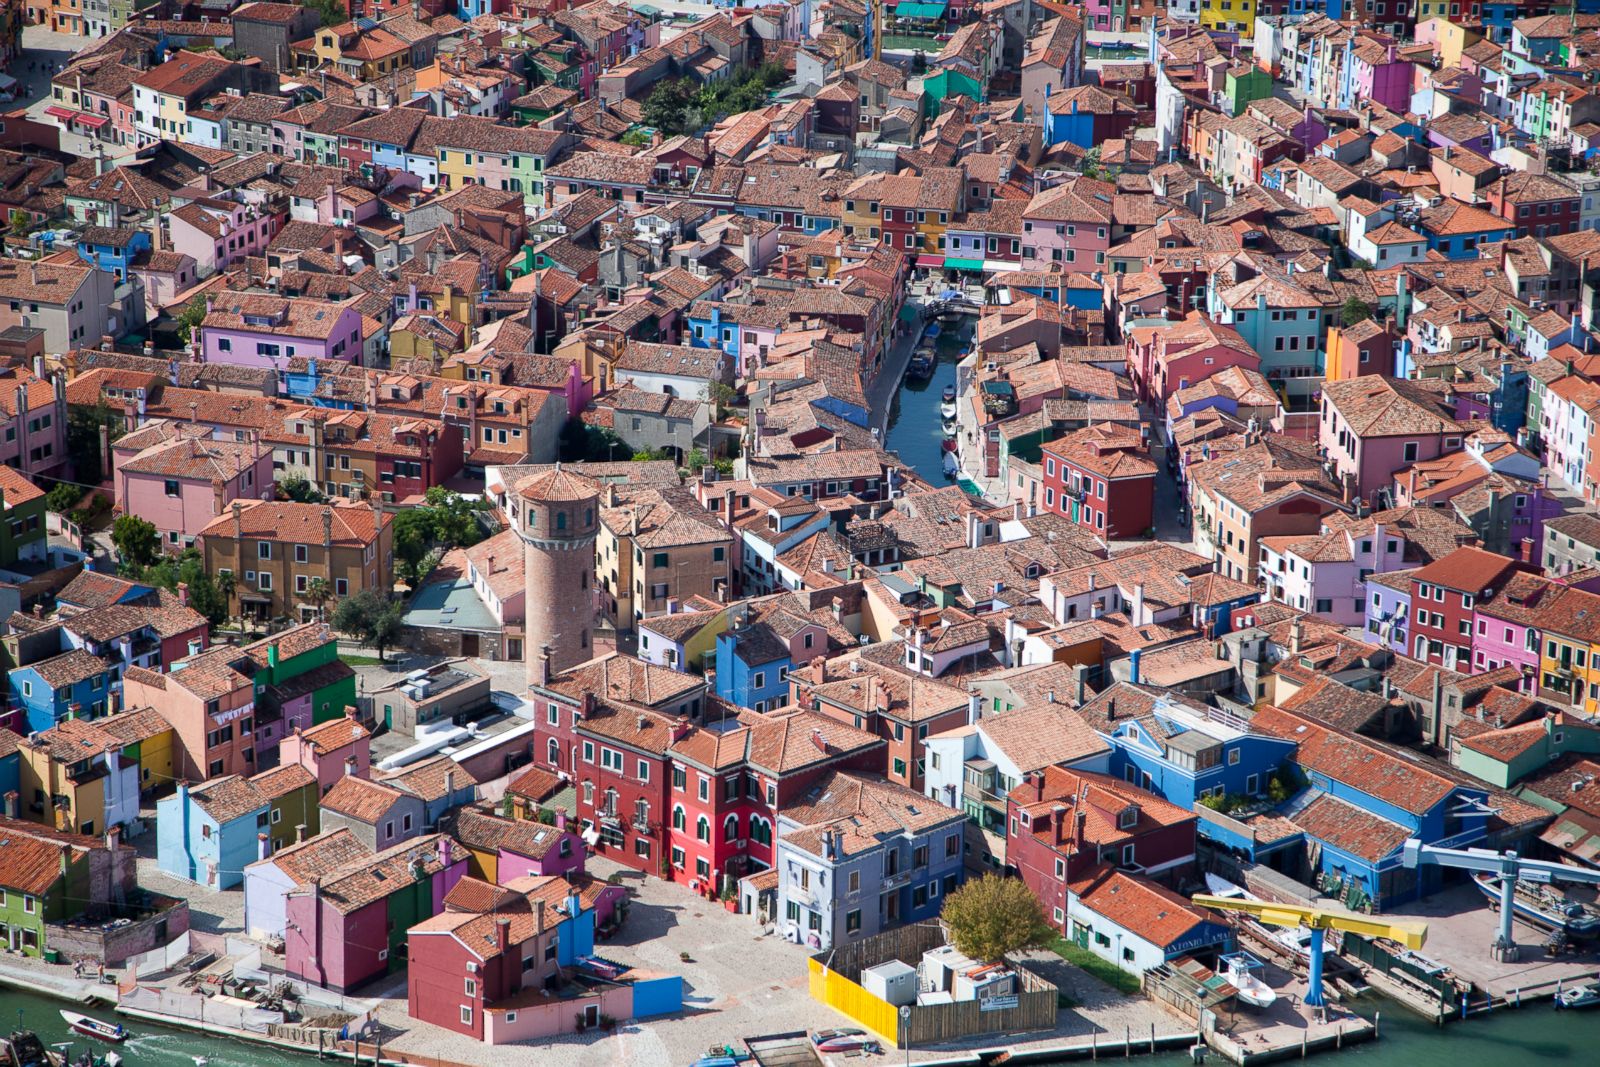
{"points": [[1128, 817]]}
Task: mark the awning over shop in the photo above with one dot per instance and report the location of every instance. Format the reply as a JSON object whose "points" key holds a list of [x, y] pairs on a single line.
{"points": [[94, 122], [963, 264], [930, 261], [917, 9]]}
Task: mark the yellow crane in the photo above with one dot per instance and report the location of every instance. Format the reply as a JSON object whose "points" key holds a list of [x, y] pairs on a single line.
{"points": [[1409, 932]]}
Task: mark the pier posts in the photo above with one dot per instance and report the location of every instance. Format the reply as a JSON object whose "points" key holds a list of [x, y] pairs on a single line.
{"points": [[1377, 1020]]}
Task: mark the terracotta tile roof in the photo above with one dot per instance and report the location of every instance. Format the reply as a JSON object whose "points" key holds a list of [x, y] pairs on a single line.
{"points": [[1042, 735], [29, 864], [427, 780], [91, 589], [536, 784], [369, 880], [1100, 799], [329, 737], [360, 799], [306, 861], [68, 668], [1467, 569], [477, 896], [1151, 912], [280, 781], [479, 934], [1350, 829], [523, 837], [1356, 761], [286, 521], [229, 798], [862, 813], [625, 679]]}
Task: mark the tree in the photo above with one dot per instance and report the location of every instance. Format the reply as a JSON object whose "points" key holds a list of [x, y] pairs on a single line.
{"points": [[722, 395], [1355, 310], [296, 488], [995, 916], [225, 585], [20, 220], [665, 107], [370, 617], [318, 592], [694, 461], [330, 12], [63, 497], [413, 541], [137, 542], [190, 318], [83, 439]]}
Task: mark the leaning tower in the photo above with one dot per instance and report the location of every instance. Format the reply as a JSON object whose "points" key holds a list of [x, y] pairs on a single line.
{"points": [[560, 516]]}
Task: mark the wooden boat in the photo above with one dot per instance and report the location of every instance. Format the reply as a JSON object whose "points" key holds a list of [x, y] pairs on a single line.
{"points": [[921, 365], [1544, 906], [1579, 996], [83, 1024], [24, 1049]]}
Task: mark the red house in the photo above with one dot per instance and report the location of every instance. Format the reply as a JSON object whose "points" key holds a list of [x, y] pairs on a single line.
{"points": [[1061, 824], [1539, 206], [1163, 360], [730, 779], [1102, 477], [461, 963], [1444, 596]]}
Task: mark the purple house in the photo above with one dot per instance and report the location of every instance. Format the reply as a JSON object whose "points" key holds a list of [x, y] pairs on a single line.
{"points": [[503, 849], [1389, 609], [260, 330], [1461, 130], [349, 926], [1378, 73]]}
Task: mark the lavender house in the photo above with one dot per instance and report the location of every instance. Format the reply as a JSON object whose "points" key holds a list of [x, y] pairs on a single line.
{"points": [[1389, 609], [258, 330]]}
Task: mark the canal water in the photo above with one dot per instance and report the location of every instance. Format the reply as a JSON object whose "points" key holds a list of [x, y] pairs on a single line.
{"points": [[915, 431], [149, 1046], [1536, 1036]]}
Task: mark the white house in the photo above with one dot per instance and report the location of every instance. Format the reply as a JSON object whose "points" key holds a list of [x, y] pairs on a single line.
{"points": [[1137, 924]]}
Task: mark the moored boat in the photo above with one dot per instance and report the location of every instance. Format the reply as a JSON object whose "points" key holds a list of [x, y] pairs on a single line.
{"points": [[948, 396], [92, 1027], [1579, 996], [921, 365], [1544, 906], [1238, 968]]}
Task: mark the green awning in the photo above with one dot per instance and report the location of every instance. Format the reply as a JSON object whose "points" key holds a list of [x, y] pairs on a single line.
{"points": [[963, 264], [917, 9], [908, 313]]}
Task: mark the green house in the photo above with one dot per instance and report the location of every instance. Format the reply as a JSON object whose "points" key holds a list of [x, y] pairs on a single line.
{"points": [[946, 83], [42, 876], [304, 680], [22, 523], [1504, 757], [1245, 83]]}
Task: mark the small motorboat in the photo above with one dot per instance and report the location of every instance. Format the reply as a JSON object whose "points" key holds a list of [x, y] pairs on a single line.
{"points": [[952, 465], [1544, 906], [1579, 996], [24, 1049], [950, 445], [845, 1039], [1238, 968], [947, 409], [90, 1027], [948, 396], [949, 426], [921, 366]]}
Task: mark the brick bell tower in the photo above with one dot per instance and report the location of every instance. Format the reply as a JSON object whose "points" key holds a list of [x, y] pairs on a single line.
{"points": [[559, 518]]}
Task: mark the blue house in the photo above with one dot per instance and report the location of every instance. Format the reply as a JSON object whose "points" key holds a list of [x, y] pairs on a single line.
{"points": [[113, 250], [859, 855], [1181, 750], [1064, 123], [208, 833], [73, 684], [10, 762], [1359, 805], [441, 783], [753, 665], [1456, 229]]}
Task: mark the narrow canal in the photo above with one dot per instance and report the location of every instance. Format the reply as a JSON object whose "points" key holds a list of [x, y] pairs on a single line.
{"points": [[1536, 1036], [915, 431]]}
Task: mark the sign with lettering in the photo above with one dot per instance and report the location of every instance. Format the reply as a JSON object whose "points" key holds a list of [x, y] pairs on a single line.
{"points": [[999, 1003]]}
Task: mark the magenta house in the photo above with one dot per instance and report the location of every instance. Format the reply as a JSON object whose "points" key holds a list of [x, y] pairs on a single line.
{"points": [[219, 233], [259, 330], [1068, 227], [178, 479], [1378, 73], [349, 926], [329, 750], [511, 848]]}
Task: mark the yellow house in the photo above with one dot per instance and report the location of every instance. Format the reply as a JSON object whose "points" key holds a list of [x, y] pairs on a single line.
{"points": [[293, 813], [1449, 39], [1236, 15], [366, 54], [1569, 677], [74, 778], [428, 337], [147, 743]]}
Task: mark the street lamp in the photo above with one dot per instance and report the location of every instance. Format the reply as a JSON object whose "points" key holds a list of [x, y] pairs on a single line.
{"points": [[905, 1031]]}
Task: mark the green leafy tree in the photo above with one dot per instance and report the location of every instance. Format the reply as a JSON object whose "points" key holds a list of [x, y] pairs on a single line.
{"points": [[83, 439], [413, 542], [722, 395], [370, 617], [296, 488], [20, 221], [225, 585], [455, 518], [190, 318], [646, 455], [138, 543], [995, 916], [63, 498], [1354, 310], [694, 461], [665, 107]]}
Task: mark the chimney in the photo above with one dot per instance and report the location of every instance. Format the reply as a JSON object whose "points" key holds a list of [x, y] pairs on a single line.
{"points": [[263, 846], [974, 708], [183, 593], [299, 832], [538, 915], [449, 785], [350, 766], [1038, 785], [1138, 604], [446, 856], [502, 934], [542, 666], [1059, 818], [327, 528], [561, 819], [1296, 632], [11, 804]]}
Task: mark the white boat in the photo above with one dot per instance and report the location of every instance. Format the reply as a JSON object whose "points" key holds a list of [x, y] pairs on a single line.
{"points": [[1579, 996], [947, 408], [84, 1024], [952, 466], [1237, 968]]}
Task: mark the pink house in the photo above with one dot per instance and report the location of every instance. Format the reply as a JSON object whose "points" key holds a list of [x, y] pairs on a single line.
{"points": [[1068, 226], [258, 330], [512, 848], [219, 233], [1372, 426], [329, 750], [348, 927], [165, 276], [1166, 360], [179, 479], [1379, 73]]}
